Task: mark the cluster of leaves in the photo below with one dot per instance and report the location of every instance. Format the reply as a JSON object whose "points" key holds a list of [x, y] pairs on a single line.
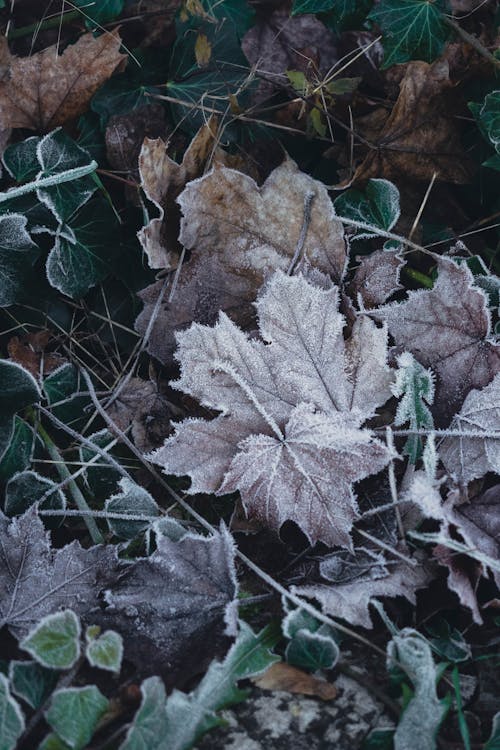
{"points": [[317, 368]]}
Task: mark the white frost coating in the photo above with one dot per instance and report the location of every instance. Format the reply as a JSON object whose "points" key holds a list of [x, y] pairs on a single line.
{"points": [[288, 437], [12, 723]]}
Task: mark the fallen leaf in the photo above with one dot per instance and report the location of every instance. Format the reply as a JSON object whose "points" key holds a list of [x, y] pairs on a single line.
{"points": [[278, 43], [463, 578], [37, 580], [285, 677], [29, 351], [47, 89], [141, 405], [421, 135], [377, 277], [448, 329], [465, 457], [163, 179], [125, 134], [288, 436], [177, 597]]}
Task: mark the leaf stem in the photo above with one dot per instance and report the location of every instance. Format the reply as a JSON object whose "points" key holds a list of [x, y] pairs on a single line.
{"points": [[54, 179], [65, 475]]}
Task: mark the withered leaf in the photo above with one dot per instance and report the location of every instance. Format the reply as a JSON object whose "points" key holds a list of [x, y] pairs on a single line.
{"points": [[421, 135], [289, 435], [163, 179], [448, 329], [466, 457], [29, 351], [278, 43], [351, 601], [141, 405], [239, 233], [37, 580], [178, 597], [47, 89], [285, 677], [377, 277]]}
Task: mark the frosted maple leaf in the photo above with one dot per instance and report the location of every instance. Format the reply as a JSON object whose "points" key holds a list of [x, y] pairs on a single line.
{"points": [[289, 434]]}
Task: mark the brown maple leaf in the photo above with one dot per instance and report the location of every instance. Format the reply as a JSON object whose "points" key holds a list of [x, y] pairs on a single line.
{"points": [[377, 277], [421, 135], [46, 89], [448, 329]]}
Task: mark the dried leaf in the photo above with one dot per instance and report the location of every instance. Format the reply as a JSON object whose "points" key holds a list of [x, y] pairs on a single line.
{"points": [[36, 580], [350, 601], [292, 680], [465, 457], [46, 89], [279, 43], [174, 599], [377, 277], [29, 351], [421, 135], [163, 179], [448, 329], [239, 233], [288, 436], [141, 405]]}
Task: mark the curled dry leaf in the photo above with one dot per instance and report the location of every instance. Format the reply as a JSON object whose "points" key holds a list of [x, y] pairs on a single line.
{"points": [[377, 277], [285, 677], [163, 179], [239, 233], [178, 598], [279, 43], [289, 434], [46, 89], [421, 135], [466, 457], [448, 329]]}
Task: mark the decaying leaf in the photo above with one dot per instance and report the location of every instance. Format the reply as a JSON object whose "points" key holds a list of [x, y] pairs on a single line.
{"points": [[279, 43], [163, 179], [350, 600], [289, 435], [466, 457], [29, 351], [448, 329], [285, 677], [142, 405], [377, 277], [175, 599], [420, 136], [47, 89], [37, 580], [239, 233]]}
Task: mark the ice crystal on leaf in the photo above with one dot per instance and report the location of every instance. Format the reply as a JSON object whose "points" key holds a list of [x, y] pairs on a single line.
{"points": [[289, 434]]}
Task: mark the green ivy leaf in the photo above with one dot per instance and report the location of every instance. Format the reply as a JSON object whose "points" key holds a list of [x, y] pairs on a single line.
{"points": [[55, 641], [18, 253], [62, 390], [106, 651], [74, 267], [494, 740], [11, 717], [412, 29], [32, 682], [18, 388], [27, 488], [312, 644], [20, 159], [239, 12], [377, 206], [100, 11], [74, 714], [17, 457], [132, 500]]}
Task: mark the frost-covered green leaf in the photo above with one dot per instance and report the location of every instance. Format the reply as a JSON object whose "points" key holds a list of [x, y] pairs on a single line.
{"points": [[55, 641], [26, 488], [176, 723], [18, 388], [131, 501], [414, 386], [420, 721], [412, 29], [101, 477], [312, 643], [76, 265], [18, 252], [6, 432], [448, 642], [11, 717], [488, 116], [494, 739], [104, 651], [63, 389], [17, 457], [32, 682], [377, 206], [75, 712], [20, 159]]}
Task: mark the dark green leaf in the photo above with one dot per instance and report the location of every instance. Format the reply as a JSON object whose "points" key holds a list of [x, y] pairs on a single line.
{"points": [[412, 29], [377, 206], [62, 389], [494, 740], [132, 500], [32, 682], [18, 388], [11, 717], [18, 455], [55, 641], [27, 488], [100, 11], [20, 159], [18, 252], [75, 712]]}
